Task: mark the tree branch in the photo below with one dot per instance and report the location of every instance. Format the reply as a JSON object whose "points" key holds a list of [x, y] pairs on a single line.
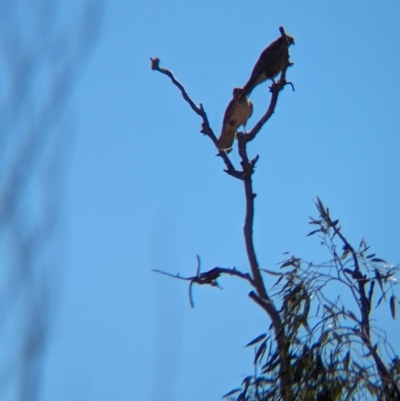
{"points": [[199, 110], [208, 278], [275, 89], [356, 273], [282, 345]]}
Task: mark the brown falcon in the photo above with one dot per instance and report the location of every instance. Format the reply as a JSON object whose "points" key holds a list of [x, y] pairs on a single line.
{"points": [[271, 62], [236, 114]]}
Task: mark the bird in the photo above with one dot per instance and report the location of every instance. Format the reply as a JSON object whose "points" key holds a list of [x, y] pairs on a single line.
{"points": [[271, 62], [236, 114]]}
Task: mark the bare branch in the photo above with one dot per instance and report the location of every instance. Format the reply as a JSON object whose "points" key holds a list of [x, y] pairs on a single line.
{"points": [[208, 278], [275, 89], [199, 110], [155, 66], [172, 275]]}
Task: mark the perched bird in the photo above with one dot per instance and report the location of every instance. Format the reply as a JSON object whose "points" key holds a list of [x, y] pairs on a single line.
{"points": [[271, 62], [236, 114]]}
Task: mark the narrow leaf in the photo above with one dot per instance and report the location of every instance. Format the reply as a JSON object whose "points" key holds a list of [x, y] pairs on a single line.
{"points": [[287, 263], [190, 295], [379, 278], [256, 340], [313, 232], [324, 337], [393, 306], [346, 361], [352, 315], [236, 390], [198, 265], [380, 300], [320, 207], [378, 260], [371, 255], [260, 352]]}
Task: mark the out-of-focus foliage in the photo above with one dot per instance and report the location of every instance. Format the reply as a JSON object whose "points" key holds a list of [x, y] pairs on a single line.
{"points": [[43, 46]]}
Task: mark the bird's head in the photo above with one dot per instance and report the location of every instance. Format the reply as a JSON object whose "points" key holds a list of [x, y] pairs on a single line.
{"points": [[290, 40], [236, 93]]}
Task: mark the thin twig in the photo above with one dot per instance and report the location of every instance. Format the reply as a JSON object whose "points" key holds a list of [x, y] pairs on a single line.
{"points": [[208, 278]]}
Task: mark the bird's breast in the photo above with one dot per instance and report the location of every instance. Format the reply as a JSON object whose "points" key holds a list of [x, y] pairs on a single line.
{"points": [[240, 113]]}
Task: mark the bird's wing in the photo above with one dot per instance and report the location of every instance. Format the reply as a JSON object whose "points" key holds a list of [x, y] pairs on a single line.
{"points": [[225, 140], [250, 111], [265, 66]]}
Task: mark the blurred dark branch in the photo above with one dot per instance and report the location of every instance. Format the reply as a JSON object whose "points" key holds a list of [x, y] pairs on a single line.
{"points": [[42, 58]]}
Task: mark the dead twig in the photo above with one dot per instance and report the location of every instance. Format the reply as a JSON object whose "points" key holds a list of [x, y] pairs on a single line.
{"points": [[208, 278]]}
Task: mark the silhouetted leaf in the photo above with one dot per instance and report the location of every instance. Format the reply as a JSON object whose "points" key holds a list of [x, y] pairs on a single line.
{"points": [[279, 280], [324, 337], [345, 254], [320, 207], [379, 278], [256, 340], [190, 294], [393, 306], [380, 300], [270, 365], [287, 263], [337, 337], [346, 361], [272, 273], [352, 315], [241, 397], [313, 232], [198, 265], [335, 222], [236, 390], [260, 352], [378, 260], [313, 221], [370, 255]]}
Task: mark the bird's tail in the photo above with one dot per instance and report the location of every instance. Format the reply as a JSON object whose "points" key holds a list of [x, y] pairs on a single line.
{"points": [[246, 90], [225, 141]]}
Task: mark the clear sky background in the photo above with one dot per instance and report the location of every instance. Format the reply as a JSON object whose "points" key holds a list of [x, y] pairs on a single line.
{"points": [[145, 190]]}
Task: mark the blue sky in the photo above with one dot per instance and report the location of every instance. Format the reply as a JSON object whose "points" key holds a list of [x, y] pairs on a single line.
{"points": [[145, 190]]}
